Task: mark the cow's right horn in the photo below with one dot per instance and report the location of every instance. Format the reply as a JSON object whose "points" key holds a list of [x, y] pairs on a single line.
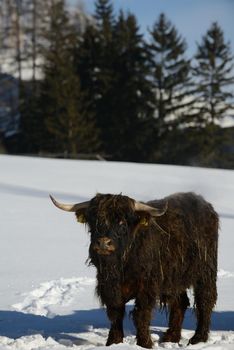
{"points": [[70, 207]]}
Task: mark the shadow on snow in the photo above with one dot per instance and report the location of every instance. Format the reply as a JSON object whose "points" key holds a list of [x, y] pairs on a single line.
{"points": [[32, 192], [36, 193], [15, 324]]}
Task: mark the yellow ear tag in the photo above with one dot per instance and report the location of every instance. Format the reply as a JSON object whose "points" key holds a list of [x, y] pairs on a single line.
{"points": [[144, 221], [81, 218]]}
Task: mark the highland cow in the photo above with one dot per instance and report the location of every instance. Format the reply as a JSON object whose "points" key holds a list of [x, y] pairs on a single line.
{"points": [[152, 252]]}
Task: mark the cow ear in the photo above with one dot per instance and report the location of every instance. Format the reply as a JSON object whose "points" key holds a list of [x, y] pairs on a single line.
{"points": [[144, 218], [80, 215], [144, 221]]}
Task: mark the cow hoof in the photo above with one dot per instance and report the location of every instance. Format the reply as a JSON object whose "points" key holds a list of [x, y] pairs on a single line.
{"points": [[171, 336], [198, 338], [115, 336], [114, 340], [148, 344]]}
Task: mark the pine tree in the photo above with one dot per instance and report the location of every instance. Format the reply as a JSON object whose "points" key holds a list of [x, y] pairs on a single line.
{"points": [[32, 127], [94, 60], [104, 18], [170, 74], [214, 74], [131, 113], [87, 56], [72, 130], [104, 69], [15, 11], [112, 63], [35, 22]]}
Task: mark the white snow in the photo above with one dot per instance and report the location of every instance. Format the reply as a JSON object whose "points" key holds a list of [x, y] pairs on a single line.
{"points": [[47, 292], [225, 274], [65, 294]]}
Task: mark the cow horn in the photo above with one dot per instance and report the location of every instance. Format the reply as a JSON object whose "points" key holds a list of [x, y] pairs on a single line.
{"points": [[70, 207], [151, 210]]}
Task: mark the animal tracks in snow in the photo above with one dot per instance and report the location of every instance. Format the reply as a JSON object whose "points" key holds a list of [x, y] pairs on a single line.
{"points": [[59, 296], [60, 293]]}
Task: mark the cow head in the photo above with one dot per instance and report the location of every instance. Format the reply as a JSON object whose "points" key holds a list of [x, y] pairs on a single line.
{"points": [[113, 221]]}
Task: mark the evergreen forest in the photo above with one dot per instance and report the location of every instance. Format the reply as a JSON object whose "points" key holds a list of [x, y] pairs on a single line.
{"points": [[98, 88]]}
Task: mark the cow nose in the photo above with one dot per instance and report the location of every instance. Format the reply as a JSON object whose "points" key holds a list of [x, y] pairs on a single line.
{"points": [[104, 243], [104, 246]]}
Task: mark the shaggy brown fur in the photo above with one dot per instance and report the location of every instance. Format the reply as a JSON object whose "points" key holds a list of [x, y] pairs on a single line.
{"points": [[154, 259]]}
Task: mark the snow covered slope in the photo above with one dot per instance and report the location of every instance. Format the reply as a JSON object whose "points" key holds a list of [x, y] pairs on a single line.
{"points": [[47, 296]]}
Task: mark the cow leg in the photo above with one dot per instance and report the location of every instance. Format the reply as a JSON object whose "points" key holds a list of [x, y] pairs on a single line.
{"points": [[115, 315], [205, 299], [177, 310], [142, 315]]}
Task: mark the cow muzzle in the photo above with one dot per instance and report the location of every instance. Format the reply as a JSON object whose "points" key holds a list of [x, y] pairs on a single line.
{"points": [[104, 246]]}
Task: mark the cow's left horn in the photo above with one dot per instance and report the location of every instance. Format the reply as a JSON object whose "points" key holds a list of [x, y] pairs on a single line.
{"points": [[151, 210], [70, 207]]}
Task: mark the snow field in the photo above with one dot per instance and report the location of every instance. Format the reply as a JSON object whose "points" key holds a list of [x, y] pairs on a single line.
{"points": [[41, 305]]}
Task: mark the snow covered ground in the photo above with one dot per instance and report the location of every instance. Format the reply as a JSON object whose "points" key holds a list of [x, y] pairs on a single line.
{"points": [[47, 296]]}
